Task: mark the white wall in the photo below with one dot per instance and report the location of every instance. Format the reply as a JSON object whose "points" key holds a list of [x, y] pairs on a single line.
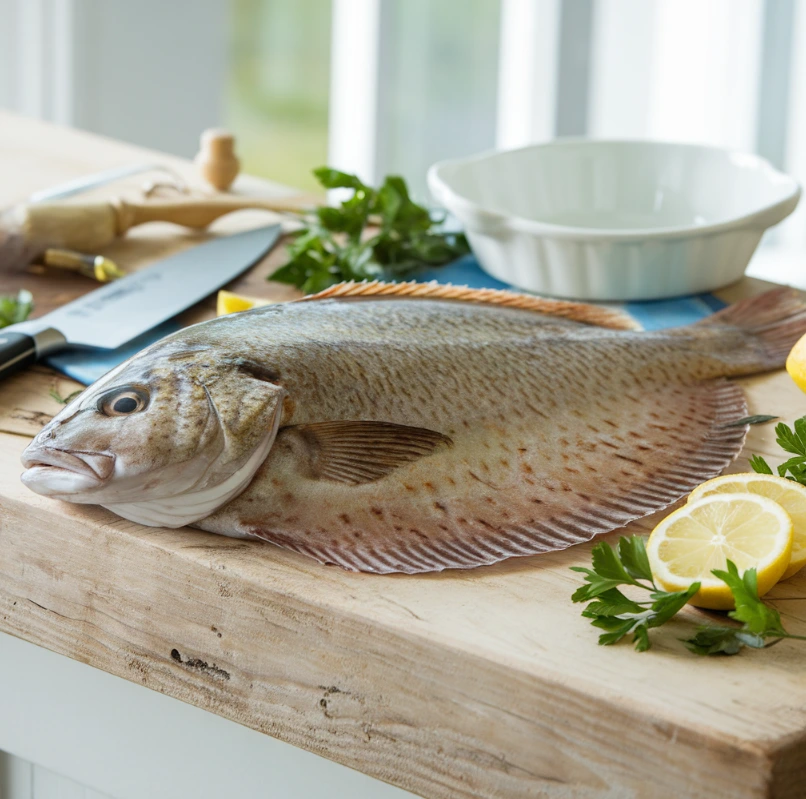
{"points": [[150, 72]]}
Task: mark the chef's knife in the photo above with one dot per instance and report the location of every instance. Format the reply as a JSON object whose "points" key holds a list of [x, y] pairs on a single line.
{"points": [[120, 311]]}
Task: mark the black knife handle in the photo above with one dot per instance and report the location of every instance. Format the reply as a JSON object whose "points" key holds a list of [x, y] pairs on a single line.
{"points": [[17, 350]]}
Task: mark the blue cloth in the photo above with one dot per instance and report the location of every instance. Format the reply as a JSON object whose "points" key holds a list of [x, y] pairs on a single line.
{"points": [[86, 365], [651, 315]]}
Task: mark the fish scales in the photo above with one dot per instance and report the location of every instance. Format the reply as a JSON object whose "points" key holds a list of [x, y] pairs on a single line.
{"points": [[411, 429]]}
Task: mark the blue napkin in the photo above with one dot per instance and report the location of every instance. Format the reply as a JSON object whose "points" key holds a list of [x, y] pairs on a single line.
{"points": [[651, 315], [86, 365]]}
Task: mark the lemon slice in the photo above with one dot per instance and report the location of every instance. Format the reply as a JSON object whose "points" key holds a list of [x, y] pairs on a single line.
{"points": [[751, 530], [227, 302], [789, 495], [796, 363]]}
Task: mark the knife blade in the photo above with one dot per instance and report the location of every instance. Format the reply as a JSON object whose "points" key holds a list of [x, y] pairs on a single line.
{"points": [[119, 311]]}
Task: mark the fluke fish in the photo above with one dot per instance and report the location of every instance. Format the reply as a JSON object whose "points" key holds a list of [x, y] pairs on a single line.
{"points": [[414, 427]]}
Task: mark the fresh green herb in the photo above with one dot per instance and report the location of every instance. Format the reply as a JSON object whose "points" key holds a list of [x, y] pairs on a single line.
{"points": [[760, 419], [15, 309], [759, 621], [618, 615], [64, 400], [610, 609], [376, 234], [792, 441]]}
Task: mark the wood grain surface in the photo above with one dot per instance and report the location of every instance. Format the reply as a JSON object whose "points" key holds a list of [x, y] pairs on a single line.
{"points": [[485, 683]]}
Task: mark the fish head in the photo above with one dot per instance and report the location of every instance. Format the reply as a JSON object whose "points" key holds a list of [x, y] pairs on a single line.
{"points": [[176, 425]]}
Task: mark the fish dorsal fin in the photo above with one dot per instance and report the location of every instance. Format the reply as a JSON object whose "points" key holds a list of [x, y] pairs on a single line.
{"points": [[574, 311], [360, 452]]}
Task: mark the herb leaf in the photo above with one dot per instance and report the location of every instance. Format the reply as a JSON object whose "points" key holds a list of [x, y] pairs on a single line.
{"points": [[793, 441], [15, 309], [759, 465], [758, 419], [375, 234], [757, 617], [722, 641], [618, 615], [633, 555], [64, 400]]}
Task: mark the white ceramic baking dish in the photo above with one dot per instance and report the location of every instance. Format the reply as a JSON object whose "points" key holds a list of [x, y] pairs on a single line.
{"points": [[614, 220]]}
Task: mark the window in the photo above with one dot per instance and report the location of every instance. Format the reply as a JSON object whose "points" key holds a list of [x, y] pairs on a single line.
{"points": [[378, 86]]}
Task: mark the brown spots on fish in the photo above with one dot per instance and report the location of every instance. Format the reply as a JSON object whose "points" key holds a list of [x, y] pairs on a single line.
{"points": [[628, 458], [429, 486], [441, 507], [375, 511], [345, 518], [527, 469], [289, 406]]}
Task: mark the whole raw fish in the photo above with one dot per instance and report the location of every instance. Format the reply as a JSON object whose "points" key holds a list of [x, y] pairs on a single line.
{"points": [[410, 428]]}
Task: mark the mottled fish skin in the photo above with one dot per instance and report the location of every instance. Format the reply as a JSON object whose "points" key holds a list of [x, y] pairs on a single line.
{"points": [[421, 434]]}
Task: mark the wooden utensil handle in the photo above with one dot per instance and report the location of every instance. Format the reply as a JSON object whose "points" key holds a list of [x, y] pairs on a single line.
{"points": [[193, 213], [89, 227]]}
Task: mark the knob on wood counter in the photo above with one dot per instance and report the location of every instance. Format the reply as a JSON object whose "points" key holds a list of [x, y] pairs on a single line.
{"points": [[216, 159]]}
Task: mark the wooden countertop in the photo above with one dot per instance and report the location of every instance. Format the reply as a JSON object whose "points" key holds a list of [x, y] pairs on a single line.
{"points": [[465, 684]]}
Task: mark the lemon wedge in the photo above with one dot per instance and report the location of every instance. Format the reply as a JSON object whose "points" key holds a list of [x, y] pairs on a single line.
{"points": [[227, 302], [789, 495], [796, 363], [749, 529]]}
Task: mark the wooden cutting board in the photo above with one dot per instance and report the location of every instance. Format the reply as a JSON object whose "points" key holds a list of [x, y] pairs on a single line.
{"points": [[464, 684]]}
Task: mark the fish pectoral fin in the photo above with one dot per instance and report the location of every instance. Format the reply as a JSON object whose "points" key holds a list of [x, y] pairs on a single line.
{"points": [[360, 452]]}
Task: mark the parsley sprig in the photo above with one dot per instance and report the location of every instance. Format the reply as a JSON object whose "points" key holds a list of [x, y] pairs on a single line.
{"points": [[15, 309], [375, 234], [792, 441], [610, 609], [64, 400], [758, 625]]}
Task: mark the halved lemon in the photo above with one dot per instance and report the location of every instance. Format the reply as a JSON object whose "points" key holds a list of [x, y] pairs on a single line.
{"points": [[796, 363], [227, 302], [789, 495], [751, 530]]}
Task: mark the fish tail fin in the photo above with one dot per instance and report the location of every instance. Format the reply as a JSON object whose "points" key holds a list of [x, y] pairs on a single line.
{"points": [[768, 326]]}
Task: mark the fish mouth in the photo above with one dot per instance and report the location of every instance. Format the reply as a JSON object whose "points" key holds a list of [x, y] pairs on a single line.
{"points": [[51, 471]]}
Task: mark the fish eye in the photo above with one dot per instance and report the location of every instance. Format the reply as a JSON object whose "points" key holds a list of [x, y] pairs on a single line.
{"points": [[123, 401]]}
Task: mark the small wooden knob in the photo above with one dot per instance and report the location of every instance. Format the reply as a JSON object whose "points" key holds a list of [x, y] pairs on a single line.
{"points": [[216, 159]]}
